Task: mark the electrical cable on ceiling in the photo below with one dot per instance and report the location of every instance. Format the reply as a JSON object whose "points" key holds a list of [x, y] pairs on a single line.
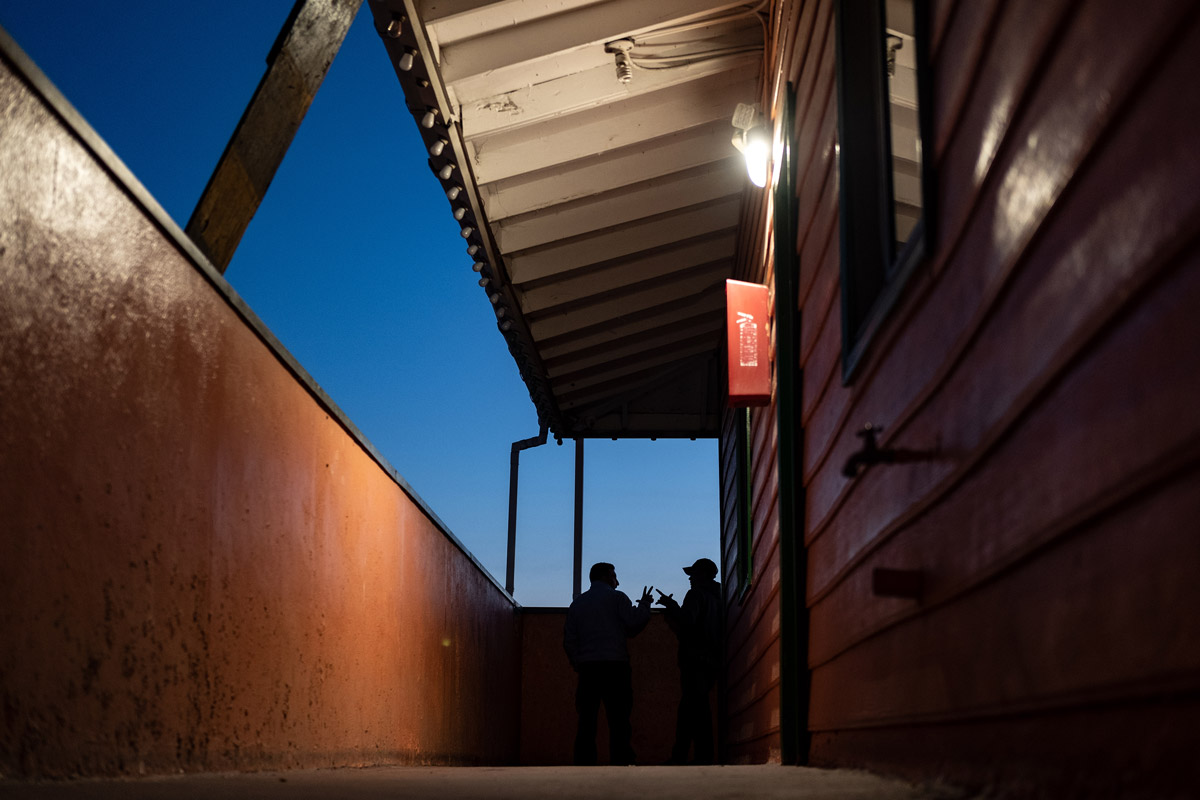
{"points": [[646, 61]]}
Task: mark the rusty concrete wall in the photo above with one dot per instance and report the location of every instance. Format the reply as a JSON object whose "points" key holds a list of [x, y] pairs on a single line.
{"points": [[202, 567], [548, 692]]}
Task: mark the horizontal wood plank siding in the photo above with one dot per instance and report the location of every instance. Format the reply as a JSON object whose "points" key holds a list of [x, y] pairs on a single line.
{"points": [[1041, 375], [1041, 370]]}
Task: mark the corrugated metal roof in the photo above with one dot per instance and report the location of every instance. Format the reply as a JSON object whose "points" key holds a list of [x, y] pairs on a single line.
{"points": [[603, 213]]}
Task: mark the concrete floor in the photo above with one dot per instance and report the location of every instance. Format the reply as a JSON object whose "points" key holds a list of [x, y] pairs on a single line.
{"points": [[494, 783]]}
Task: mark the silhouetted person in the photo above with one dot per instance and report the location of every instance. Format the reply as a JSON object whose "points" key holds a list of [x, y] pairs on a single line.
{"points": [[699, 625], [598, 623]]}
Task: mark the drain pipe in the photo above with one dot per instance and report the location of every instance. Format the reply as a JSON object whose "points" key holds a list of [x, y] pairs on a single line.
{"points": [[514, 459]]}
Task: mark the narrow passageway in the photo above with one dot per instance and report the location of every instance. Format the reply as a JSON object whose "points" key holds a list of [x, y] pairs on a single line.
{"points": [[762, 782]]}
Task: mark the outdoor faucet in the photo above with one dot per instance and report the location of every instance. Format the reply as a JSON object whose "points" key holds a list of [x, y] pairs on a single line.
{"points": [[870, 453]]}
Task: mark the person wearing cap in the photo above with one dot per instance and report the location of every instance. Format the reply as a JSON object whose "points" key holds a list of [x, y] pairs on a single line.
{"points": [[598, 623], [699, 626]]}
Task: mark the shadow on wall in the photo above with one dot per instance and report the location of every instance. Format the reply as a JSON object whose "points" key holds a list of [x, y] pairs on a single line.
{"points": [[548, 692]]}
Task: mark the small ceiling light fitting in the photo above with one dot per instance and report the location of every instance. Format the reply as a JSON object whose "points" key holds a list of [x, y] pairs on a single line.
{"points": [[437, 147], [753, 141], [460, 212], [466, 232], [620, 49], [483, 281], [506, 325], [494, 298], [472, 250], [431, 115], [446, 171], [406, 61], [395, 26], [452, 194], [478, 265]]}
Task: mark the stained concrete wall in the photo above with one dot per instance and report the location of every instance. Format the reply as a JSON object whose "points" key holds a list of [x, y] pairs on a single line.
{"points": [[202, 566], [548, 719]]}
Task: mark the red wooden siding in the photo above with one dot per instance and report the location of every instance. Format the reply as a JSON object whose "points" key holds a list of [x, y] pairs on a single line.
{"points": [[1042, 364]]}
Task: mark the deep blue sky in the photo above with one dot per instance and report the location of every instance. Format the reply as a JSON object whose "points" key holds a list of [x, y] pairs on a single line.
{"points": [[356, 265]]}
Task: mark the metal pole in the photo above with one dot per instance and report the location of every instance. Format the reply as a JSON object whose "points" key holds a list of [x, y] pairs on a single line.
{"points": [[578, 558], [514, 461]]}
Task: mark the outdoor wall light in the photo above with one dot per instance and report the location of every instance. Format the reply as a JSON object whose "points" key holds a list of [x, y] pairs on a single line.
{"points": [[758, 155], [406, 61], [753, 141], [430, 117], [437, 147], [446, 171]]}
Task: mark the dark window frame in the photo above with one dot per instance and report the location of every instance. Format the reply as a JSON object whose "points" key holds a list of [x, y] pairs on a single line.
{"points": [[873, 277], [744, 475]]}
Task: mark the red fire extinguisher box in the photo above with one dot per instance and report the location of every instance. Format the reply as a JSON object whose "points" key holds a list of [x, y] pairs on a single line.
{"points": [[747, 344]]}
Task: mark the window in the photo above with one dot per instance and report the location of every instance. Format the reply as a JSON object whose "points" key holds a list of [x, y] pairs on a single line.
{"points": [[884, 174]]}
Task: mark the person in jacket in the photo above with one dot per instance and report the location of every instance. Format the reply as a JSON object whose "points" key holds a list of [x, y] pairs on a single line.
{"points": [[699, 626], [599, 622]]}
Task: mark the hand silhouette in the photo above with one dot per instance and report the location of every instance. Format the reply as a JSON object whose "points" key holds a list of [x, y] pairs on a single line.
{"points": [[646, 596]]}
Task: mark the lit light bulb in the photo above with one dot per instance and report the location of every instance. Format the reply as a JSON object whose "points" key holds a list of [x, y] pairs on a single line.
{"points": [[758, 155]]}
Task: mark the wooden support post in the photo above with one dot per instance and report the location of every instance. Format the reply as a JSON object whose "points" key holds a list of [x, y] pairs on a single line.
{"points": [[296, 66], [577, 555]]}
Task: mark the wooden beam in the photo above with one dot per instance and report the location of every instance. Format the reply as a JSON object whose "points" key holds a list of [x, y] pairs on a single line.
{"points": [[632, 325], [619, 124], [655, 335], [703, 184], [577, 383], [614, 169], [625, 240], [533, 103], [591, 25], [611, 311], [296, 67], [454, 20], [708, 329], [654, 265]]}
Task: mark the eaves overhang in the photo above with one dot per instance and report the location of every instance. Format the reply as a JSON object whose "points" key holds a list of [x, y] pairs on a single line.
{"points": [[602, 216]]}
